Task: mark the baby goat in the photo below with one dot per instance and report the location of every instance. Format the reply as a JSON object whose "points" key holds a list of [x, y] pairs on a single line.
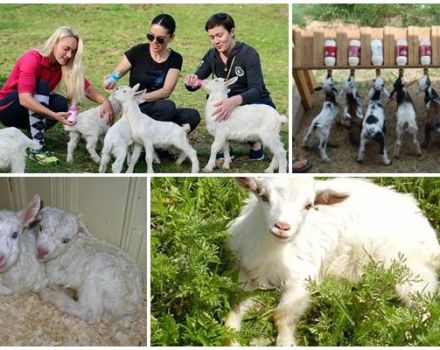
{"points": [[323, 122], [293, 230], [405, 116], [13, 146], [250, 122], [373, 125], [107, 280], [117, 143], [148, 132], [432, 103], [352, 116], [19, 270]]}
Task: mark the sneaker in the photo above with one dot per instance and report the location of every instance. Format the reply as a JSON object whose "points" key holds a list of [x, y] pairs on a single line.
{"points": [[257, 155], [221, 156], [43, 157]]}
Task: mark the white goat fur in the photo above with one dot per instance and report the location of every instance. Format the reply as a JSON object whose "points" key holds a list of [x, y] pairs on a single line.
{"points": [[148, 132], [373, 125], [106, 278], [117, 143], [251, 122], [295, 229], [13, 145], [19, 270], [405, 117], [91, 127], [321, 125]]}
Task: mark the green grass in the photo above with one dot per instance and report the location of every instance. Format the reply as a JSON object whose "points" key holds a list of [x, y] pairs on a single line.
{"points": [[373, 15], [194, 279], [108, 30]]}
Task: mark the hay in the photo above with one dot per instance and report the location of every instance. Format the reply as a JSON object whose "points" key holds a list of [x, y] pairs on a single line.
{"points": [[26, 321]]}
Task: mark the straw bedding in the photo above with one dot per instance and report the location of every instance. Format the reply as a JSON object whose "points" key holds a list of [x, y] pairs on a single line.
{"points": [[25, 320]]}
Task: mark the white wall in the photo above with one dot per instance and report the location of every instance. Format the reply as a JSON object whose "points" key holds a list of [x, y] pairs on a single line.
{"points": [[113, 208]]}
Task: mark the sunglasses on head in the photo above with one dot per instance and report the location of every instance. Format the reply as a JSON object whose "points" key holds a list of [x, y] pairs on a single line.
{"points": [[152, 37]]}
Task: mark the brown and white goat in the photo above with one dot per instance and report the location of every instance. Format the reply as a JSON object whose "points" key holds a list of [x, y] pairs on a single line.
{"points": [[432, 103]]}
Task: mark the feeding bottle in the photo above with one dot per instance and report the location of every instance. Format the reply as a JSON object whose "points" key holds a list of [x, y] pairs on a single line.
{"points": [[330, 52]]}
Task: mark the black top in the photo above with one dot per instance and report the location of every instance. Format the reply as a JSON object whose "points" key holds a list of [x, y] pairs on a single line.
{"points": [[244, 63], [146, 71]]}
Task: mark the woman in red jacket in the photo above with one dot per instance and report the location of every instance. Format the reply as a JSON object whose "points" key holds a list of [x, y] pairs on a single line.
{"points": [[27, 100]]}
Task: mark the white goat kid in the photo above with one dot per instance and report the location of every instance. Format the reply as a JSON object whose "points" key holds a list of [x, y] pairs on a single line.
{"points": [[251, 122], [321, 125], [19, 270], [373, 125], [293, 230], [405, 117], [13, 146], [91, 127], [117, 143], [107, 280], [149, 132]]}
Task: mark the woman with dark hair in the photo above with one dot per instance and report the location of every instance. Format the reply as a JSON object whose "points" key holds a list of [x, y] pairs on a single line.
{"points": [[156, 68], [227, 59]]}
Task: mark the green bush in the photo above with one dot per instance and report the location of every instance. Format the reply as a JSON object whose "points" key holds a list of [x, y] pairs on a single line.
{"points": [[194, 279]]}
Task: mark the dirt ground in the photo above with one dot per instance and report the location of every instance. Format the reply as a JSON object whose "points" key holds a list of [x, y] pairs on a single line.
{"points": [[343, 157]]}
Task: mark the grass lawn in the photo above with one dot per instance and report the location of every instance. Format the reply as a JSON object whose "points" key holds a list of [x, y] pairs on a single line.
{"points": [[108, 30], [194, 279]]}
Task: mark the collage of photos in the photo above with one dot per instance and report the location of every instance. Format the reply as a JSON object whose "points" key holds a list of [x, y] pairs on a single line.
{"points": [[219, 174]]}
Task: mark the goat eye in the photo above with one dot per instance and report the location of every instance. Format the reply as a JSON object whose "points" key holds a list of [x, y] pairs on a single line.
{"points": [[265, 198], [65, 240], [308, 206], [14, 235]]}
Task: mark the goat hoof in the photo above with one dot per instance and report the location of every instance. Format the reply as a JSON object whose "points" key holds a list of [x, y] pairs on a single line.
{"points": [[207, 170], [359, 161]]}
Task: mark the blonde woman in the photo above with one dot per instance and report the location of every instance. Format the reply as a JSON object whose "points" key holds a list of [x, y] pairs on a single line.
{"points": [[26, 99]]}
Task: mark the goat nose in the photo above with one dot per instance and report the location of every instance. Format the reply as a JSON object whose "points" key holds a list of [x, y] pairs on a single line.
{"points": [[282, 226], [41, 252], [2, 259]]}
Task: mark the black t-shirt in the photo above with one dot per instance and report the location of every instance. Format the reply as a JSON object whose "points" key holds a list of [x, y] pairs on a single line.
{"points": [[146, 71]]}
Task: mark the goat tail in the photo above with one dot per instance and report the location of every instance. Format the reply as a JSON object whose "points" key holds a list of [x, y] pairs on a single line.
{"points": [[35, 145], [186, 127], [283, 119]]}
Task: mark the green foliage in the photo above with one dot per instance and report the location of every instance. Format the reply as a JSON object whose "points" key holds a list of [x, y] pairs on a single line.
{"points": [[108, 30], [373, 15], [194, 280]]}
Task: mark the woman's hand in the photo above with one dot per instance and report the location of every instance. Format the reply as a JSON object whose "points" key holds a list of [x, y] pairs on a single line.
{"points": [[225, 108], [62, 118], [192, 80], [108, 84], [106, 112]]}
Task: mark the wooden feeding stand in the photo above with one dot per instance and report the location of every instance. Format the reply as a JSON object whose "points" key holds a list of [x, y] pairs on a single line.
{"points": [[308, 51]]}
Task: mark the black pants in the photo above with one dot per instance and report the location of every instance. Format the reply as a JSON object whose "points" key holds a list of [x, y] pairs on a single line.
{"points": [[166, 111], [12, 113]]}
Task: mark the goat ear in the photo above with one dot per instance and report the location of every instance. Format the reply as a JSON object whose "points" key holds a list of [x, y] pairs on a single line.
{"points": [[231, 81], [318, 88], [139, 96], [329, 197], [251, 184], [82, 229], [28, 214], [136, 87], [334, 89], [386, 92]]}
